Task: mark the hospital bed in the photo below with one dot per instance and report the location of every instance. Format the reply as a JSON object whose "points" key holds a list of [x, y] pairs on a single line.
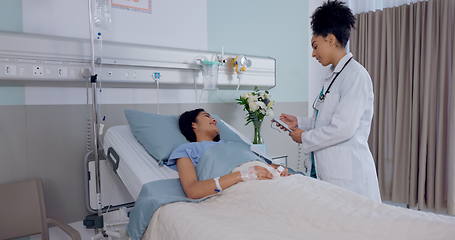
{"points": [[133, 164], [276, 209]]}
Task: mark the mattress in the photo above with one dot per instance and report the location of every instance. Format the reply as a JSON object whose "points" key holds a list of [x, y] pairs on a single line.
{"points": [[136, 166]]}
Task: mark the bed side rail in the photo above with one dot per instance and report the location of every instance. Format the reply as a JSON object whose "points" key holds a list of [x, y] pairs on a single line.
{"points": [[114, 158]]}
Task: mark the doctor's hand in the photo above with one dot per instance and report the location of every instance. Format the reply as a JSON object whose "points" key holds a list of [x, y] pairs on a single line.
{"points": [[290, 120], [296, 135]]}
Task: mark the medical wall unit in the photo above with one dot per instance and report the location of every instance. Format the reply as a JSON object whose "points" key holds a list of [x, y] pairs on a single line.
{"points": [[33, 59]]}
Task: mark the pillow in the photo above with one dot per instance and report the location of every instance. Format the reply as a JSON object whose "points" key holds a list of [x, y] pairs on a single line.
{"points": [[158, 134], [228, 133]]}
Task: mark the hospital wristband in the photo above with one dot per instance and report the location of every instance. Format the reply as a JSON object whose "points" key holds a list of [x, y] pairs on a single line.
{"points": [[217, 184]]}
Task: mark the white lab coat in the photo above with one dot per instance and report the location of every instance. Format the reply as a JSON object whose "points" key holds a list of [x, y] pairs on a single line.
{"points": [[338, 135]]}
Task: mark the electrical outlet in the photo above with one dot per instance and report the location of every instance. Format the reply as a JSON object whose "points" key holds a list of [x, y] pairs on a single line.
{"points": [[10, 70], [38, 71], [62, 72]]}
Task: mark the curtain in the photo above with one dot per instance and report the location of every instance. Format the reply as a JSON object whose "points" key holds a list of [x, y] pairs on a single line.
{"points": [[359, 6], [451, 154], [408, 51]]}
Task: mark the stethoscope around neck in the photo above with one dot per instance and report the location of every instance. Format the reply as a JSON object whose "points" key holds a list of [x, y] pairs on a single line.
{"points": [[323, 95]]}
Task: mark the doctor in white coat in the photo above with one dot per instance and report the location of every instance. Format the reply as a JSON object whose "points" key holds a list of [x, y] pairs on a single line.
{"points": [[336, 135]]}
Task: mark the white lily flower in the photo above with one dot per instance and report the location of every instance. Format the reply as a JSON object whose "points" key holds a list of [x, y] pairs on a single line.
{"points": [[251, 99], [253, 106]]}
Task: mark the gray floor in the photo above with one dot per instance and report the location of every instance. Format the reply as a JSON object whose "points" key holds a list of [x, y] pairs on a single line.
{"points": [[56, 233]]}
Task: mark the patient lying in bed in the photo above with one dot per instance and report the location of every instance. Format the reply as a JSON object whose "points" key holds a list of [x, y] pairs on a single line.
{"points": [[301, 207], [201, 130]]}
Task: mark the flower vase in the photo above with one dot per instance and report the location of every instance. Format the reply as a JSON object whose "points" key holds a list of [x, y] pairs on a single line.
{"points": [[257, 132]]}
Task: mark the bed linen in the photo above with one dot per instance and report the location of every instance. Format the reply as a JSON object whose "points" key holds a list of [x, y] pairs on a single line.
{"points": [[294, 207]]}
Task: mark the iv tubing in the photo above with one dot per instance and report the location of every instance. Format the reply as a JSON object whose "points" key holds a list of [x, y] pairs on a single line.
{"points": [[157, 81]]}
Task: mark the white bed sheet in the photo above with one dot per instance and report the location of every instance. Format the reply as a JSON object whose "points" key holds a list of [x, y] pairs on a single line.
{"points": [[136, 166], [294, 207]]}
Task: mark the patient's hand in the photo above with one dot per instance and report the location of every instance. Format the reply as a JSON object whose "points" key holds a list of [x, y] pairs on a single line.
{"points": [[262, 173], [283, 173], [255, 173]]}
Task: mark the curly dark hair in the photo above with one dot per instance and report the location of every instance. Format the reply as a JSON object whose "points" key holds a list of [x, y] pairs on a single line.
{"points": [[186, 121], [333, 17]]}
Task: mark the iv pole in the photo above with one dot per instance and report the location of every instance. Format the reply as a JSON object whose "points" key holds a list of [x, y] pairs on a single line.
{"points": [[95, 130]]}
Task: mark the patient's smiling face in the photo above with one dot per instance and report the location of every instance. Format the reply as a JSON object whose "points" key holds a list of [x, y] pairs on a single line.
{"points": [[205, 125]]}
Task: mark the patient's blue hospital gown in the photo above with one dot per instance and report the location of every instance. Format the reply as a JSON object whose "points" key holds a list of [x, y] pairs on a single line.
{"points": [[193, 151]]}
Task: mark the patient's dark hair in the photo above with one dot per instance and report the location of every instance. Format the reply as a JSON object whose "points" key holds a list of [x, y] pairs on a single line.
{"points": [[333, 17], [186, 121]]}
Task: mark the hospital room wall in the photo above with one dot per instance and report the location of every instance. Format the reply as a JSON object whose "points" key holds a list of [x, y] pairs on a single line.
{"points": [[266, 28], [44, 129], [11, 20]]}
